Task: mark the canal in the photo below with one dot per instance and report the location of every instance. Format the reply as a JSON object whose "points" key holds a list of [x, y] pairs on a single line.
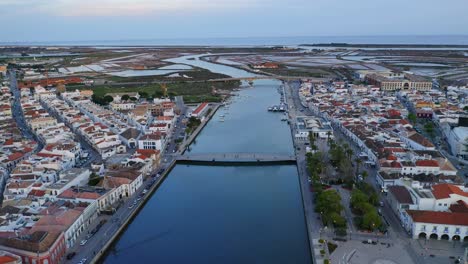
{"points": [[225, 214]]}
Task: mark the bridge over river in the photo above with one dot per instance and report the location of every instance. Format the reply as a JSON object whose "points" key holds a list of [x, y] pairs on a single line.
{"points": [[237, 157]]}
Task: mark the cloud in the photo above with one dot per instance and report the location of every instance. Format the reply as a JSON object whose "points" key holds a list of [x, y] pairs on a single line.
{"points": [[83, 8]]}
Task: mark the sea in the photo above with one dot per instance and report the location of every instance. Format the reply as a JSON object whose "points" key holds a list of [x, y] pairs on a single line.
{"points": [[262, 41]]}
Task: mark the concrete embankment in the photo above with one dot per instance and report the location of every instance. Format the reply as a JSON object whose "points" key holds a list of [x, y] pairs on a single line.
{"points": [[303, 177], [195, 133], [134, 213], [153, 188]]}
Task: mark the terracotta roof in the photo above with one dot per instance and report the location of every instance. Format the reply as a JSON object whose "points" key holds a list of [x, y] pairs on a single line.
{"points": [[427, 163], [199, 108], [37, 193], [7, 259], [71, 194], [151, 137], [15, 156], [396, 164], [39, 241], [443, 191], [401, 194], [433, 217], [420, 139], [459, 207]]}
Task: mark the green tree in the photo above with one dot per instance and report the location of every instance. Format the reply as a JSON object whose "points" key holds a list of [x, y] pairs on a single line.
{"points": [[358, 197], [429, 127], [108, 99], [364, 175], [412, 118], [358, 165], [311, 138], [143, 94], [133, 99], [328, 201], [125, 97], [371, 220], [349, 152]]}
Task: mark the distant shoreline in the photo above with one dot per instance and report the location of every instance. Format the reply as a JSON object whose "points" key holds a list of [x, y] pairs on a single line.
{"points": [[347, 41], [349, 45]]}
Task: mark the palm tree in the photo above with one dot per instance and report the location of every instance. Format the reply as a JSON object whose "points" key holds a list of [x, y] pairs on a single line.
{"points": [[312, 138], [349, 153], [358, 163], [364, 175]]}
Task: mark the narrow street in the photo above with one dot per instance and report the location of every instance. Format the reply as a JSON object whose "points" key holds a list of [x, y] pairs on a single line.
{"points": [[18, 114]]}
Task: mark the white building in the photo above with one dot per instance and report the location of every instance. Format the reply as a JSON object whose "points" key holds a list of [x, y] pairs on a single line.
{"points": [[436, 225], [458, 141], [152, 141]]}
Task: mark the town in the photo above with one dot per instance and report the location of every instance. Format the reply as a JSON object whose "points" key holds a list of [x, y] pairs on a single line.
{"points": [[381, 153]]}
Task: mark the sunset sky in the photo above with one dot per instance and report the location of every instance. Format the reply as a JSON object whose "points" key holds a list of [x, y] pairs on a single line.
{"points": [[68, 20]]}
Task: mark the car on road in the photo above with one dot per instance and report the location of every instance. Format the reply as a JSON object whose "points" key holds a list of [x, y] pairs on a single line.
{"points": [[83, 242], [71, 255], [83, 261]]}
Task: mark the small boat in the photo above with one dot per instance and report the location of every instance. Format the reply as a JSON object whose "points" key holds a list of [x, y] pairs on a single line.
{"points": [[221, 115], [221, 120]]}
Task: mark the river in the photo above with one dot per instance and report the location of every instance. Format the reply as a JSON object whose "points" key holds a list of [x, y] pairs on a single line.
{"points": [[225, 214]]}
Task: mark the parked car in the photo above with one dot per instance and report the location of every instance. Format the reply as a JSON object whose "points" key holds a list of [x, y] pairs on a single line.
{"points": [[71, 255], [83, 261], [83, 242]]}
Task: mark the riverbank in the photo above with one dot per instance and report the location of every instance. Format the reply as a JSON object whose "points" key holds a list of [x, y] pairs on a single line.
{"points": [[127, 220], [104, 250], [310, 216], [183, 146]]}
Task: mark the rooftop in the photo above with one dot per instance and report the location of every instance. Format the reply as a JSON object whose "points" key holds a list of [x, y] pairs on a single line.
{"points": [[433, 217]]}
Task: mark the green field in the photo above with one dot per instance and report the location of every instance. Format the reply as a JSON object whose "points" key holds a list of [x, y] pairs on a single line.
{"points": [[197, 74], [192, 92], [300, 71]]}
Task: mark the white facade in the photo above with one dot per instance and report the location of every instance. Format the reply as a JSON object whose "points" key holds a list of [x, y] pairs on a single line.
{"points": [[458, 141], [439, 231]]}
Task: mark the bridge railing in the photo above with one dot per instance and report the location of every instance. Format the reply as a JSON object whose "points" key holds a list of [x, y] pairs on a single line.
{"points": [[239, 156]]}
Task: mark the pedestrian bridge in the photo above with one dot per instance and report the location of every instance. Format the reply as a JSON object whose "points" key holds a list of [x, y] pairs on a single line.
{"points": [[237, 157]]}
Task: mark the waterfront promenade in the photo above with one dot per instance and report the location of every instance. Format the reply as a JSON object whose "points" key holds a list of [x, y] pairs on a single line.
{"points": [[313, 222]]}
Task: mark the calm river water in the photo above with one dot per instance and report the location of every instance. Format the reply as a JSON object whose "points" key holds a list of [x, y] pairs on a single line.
{"points": [[226, 214]]}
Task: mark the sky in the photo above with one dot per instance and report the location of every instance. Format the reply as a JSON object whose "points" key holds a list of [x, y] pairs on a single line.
{"points": [[83, 20]]}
